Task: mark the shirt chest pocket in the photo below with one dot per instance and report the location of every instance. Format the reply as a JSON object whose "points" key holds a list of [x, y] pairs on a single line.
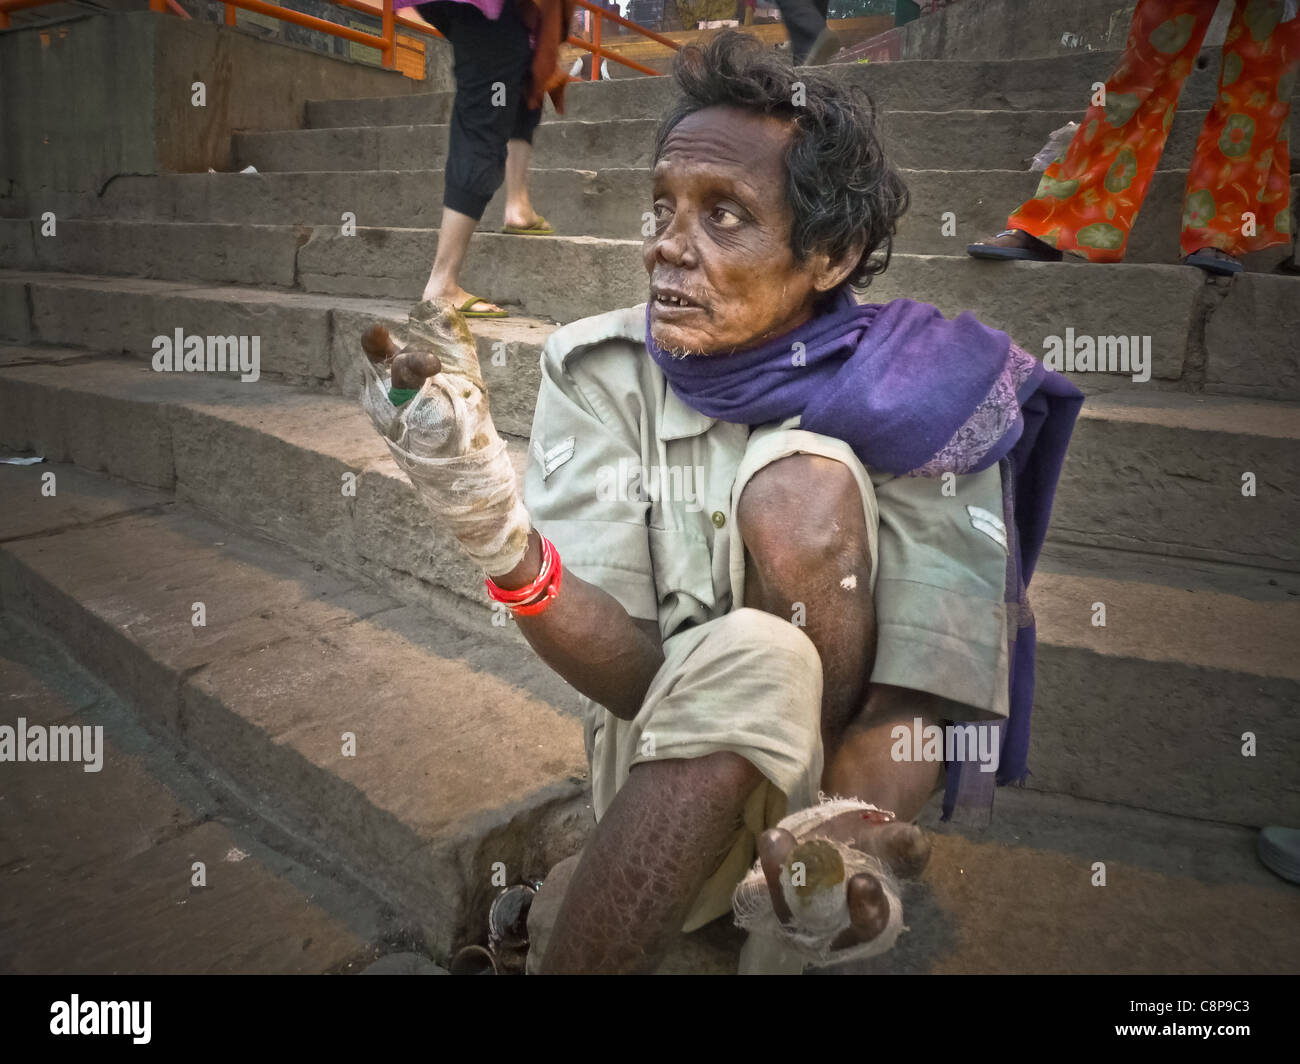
{"points": [[683, 564]]}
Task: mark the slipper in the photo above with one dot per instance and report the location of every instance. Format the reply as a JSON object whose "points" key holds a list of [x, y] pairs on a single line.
{"points": [[507, 948], [464, 309], [541, 227], [1211, 260], [1279, 849], [1038, 251]]}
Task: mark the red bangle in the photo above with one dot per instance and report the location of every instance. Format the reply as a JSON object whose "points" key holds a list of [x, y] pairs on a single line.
{"points": [[529, 591], [530, 609], [536, 596]]}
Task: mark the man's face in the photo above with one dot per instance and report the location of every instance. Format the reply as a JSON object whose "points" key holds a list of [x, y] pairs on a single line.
{"points": [[722, 276]]}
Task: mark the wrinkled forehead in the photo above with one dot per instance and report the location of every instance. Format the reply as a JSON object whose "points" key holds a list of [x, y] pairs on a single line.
{"points": [[726, 140]]}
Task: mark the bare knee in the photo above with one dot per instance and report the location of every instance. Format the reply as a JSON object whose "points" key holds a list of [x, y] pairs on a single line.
{"points": [[801, 514]]}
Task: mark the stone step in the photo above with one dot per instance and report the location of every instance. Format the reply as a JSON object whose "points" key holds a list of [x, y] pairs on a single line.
{"points": [[1053, 84], [1148, 471], [234, 254], [1196, 326], [1192, 451], [99, 864], [1179, 633], [1018, 896], [304, 339], [948, 140], [1031, 301], [267, 692], [1032, 874], [617, 142], [1184, 629], [605, 203]]}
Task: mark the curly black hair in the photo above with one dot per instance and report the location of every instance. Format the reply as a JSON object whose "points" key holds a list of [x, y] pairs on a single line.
{"points": [[839, 184]]}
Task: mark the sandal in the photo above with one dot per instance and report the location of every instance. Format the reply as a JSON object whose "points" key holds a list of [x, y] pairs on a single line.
{"points": [[541, 227], [1214, 261], [507, 948], [464, 309], [1279, 849], [1026, 246]]}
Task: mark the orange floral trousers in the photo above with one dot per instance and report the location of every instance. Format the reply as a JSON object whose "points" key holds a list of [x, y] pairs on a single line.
{"points": [[1238, 195]]}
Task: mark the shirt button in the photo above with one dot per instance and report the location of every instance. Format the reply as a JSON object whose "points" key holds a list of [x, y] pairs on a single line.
{"points": [[719, 519]]}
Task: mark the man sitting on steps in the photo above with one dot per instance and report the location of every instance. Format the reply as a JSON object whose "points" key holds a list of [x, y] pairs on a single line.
{"points": [[829, 549]]}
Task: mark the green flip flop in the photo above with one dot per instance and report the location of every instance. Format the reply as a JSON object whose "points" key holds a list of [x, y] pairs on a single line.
{"points": [[541, 227], [464, 309]]}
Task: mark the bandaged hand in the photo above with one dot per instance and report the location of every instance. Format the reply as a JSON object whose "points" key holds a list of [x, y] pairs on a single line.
{"points": [[428, 400], [826, 886]]}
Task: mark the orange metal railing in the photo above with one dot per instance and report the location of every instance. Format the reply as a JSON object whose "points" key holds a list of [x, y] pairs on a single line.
{"points": [[599, 53], [385, 41]]}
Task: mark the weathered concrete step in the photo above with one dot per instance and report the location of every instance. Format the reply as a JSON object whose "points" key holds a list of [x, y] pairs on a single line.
{"points": [[1176, 635], [1056, 83], [606, 203], [1145, 466], [99, 865], [1021, 896], [233, 254], [1018, 896], [302, 338], [305, 468], [1238, 336], [1149, 471], [1031, 301], [293, 658], [947, 140], [618, 142], [311, 339], [273, 460]]}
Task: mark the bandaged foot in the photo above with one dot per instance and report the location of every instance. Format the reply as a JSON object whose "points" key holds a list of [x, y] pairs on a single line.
{"points": [[824, 886], [428, 400]]}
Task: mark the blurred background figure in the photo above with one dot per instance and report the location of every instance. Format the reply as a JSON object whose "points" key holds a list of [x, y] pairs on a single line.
{"points": [[1238, 195], [505, 54], [812, 42]]}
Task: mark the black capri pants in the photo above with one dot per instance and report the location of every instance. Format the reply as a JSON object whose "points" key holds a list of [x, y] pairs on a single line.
{"points": [[492, 65]]}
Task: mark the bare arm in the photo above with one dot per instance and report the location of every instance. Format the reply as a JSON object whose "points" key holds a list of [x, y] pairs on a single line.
{"points": [[587, 637], [585, 634]]}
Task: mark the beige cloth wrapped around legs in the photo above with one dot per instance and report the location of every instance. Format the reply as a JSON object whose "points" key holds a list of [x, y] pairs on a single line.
{"points": [[445, 442]]}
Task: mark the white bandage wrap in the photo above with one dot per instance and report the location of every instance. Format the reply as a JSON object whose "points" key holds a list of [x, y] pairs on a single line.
{"points": [[820, 916], [445, 442]]}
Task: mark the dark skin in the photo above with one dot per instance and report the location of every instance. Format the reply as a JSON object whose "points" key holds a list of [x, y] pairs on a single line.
{"points": [[723, 277], [722, 237]]}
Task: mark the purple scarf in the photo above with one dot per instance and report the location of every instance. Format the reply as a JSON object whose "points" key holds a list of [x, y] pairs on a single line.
{"points": [[915, 395]]}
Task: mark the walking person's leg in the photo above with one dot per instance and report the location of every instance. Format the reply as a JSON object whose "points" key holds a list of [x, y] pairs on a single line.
{"points": [[1238, 196], [1089, 198], [811, 42], [519, 212], [491, 63]]}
